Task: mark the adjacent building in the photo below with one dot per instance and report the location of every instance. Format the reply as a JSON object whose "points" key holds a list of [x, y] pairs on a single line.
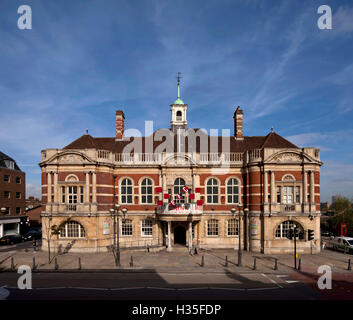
{"points": [[181, 187], [12, 197]]}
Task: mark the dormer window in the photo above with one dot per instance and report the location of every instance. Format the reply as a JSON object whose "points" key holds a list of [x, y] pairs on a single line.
{"points": [[9, 164]]}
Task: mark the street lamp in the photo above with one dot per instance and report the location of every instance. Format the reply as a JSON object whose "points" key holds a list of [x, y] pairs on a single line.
{"points": [[233, 210], [3, 210]]}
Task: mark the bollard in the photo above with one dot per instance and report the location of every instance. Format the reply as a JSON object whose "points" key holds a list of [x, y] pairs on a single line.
{"points": [[226, 264], [255, 263], [79, 263], [299, 264], [148, 248], [203, 261], [349, 264], [131, 262], [56, 264], [12, 264], [276, 266], [34, 264]]}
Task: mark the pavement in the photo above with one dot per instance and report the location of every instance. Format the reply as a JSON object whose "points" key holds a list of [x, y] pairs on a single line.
{"points": [[175, 275]]}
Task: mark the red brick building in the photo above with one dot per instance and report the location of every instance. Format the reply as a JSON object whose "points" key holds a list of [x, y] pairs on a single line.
{"points": [[181, 186], [12, 196]]}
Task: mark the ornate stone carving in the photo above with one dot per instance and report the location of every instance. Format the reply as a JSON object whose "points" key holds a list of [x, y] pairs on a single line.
{"points": [[70, 158], [287, 157]]}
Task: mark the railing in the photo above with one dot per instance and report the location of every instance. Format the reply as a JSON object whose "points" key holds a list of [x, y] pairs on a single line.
{"points": [[71, 207], [209, 157], [255, 154], [181, 208]]}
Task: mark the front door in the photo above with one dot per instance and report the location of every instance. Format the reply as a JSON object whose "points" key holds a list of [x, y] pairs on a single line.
{"points": [[180, 235]]}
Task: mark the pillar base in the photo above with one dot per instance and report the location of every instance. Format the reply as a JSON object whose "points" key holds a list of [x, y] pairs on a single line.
{"points": [[169, 249]]}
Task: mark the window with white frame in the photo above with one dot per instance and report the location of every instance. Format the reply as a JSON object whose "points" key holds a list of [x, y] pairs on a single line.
{"points": [[146, 227], [283, 229], [288, 194], [212, 191], [126, 227], [126, 191], [179, 184], [233, 227], [72, 229], [297, 194], [72, 194], [233, 191], [146, 191], [212, 227]]}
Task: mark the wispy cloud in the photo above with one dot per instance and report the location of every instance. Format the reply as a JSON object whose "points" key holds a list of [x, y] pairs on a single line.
{"points": [[343, 19]]}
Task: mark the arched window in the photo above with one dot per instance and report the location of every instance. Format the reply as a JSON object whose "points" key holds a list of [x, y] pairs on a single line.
{"points": [[179, 184], [126, 191], [126, 227], [72, 229], [146, 191], [212, 191], [284, 227], [233, 191], [179, 116], [212, 227], [146, 227], [233, 227]]}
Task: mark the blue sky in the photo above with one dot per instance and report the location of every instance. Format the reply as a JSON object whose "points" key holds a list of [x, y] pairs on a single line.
{"points": [[83, 60]]}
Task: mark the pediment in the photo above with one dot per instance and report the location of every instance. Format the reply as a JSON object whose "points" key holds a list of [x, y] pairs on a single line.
{"points": [[179, 160], [290, 157], [70, 158]]}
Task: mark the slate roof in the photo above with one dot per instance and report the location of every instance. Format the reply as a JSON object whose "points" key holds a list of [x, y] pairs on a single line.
{"points": [[272, 140], [4, 157]]}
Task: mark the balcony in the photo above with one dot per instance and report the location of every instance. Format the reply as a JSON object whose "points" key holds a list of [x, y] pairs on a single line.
{"points": [[182, 208]]}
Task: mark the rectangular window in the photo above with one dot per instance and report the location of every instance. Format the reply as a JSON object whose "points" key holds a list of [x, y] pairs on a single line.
{"points": [[7, 194], [18, 180], [146, 227], [233, 227], [18, 210], [18, 195], [288, 196], [6, 178], [63, 198], [81, 194], [278, 194], [297, 194], [212, 227], [126, 228], [72, 193]]}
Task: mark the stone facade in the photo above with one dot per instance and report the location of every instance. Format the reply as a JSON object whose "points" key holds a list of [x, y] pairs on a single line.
{"points": [[266, 181]]}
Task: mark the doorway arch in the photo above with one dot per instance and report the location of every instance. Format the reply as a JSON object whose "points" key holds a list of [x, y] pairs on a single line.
{"points": [[180, 235]]}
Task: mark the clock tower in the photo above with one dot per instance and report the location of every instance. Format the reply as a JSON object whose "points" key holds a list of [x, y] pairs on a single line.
{"points": [[178, 109]]}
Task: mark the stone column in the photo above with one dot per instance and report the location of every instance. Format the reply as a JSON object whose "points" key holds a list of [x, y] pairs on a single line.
{"points": [[273, 188], [169, 236], [94, 187], [265, 187], [164, 186], [305, 191], [312, 187], [190, 235], [55, 187], [87, 187], [49, 188]]}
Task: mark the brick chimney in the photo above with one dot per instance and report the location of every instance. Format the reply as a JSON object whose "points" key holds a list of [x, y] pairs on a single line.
{"points": [[119, 118], [238, 124]]}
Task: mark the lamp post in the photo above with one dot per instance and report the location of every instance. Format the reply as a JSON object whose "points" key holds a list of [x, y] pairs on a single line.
{"points": [[233, 210]]}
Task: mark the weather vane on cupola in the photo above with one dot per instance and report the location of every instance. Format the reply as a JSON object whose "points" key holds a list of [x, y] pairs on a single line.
{"points": [[178, 100]]}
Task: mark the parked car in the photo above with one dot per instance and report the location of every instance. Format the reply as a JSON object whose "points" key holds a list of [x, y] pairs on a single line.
{"points": [[33, 234], [11, 239], [344, 244]]}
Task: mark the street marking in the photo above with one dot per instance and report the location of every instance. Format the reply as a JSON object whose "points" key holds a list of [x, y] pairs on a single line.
{"points": [[292, 281], [282, 275], [273, 281]]}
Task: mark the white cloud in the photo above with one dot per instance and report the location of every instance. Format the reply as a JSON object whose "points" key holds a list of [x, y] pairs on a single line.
{"points": [[342, 19]]}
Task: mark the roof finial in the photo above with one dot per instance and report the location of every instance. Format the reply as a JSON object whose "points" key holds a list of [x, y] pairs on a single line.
{"points": [[272, 129], [178, 78], [86, 131], [178, 100]]}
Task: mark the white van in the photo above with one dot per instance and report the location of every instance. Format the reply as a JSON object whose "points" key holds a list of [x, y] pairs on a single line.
{"points": [[344, 244]]}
